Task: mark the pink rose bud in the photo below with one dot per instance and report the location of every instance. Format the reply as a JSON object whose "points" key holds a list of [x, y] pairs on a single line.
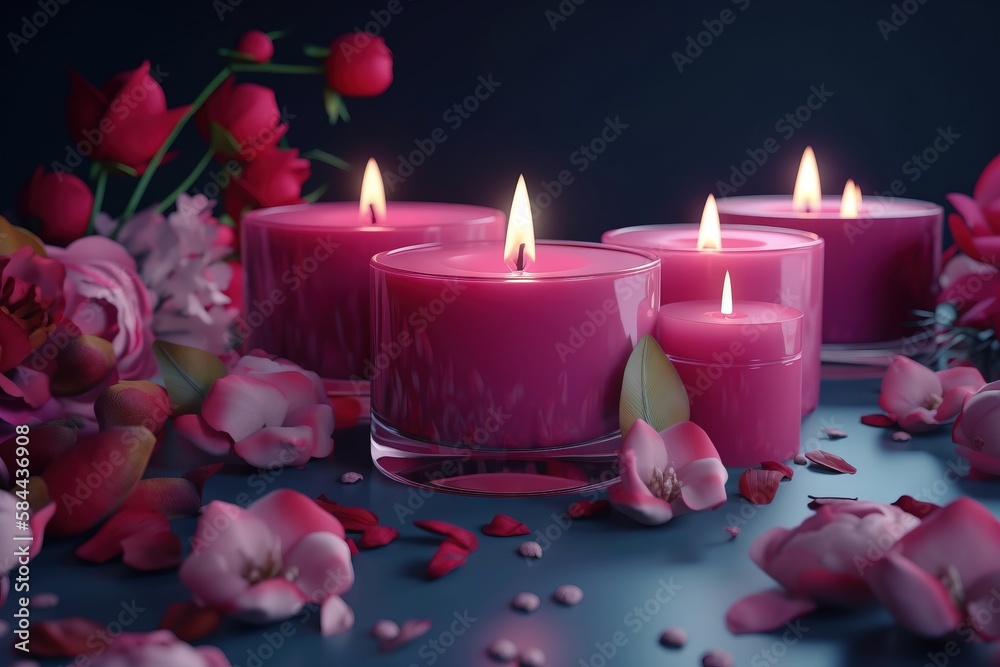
{"points": [[256, 46]]}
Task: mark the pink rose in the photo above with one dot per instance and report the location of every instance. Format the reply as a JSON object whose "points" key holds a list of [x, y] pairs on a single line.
{"points": [[976, 226], [274, 178], [157, 649], [241, 120], [106, 298], [31, 304], [943, 576], [977, 430], [57, 206], [919, 399], [9, 535], [255, 46], [668, 473], [263, 563], [359, 65], [821, 562], [269, 411], [973, 289]]}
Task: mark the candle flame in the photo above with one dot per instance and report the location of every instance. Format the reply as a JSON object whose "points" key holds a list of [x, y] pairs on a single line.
{"points": [[850, 203], [727, 296], [519, 248], [372, 194], [710, 233], [807, 195]]}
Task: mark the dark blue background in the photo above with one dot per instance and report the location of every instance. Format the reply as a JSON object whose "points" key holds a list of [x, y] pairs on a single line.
{"points": [[685, 129]]}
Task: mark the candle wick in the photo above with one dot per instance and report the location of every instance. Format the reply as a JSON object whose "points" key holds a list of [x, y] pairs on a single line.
{"points": [[520, 258], [372, 208]]}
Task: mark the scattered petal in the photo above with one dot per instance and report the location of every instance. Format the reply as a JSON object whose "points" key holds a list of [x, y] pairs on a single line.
{"points": [[377, 536], [460, 535], [777, 466], [409, 631], [568, 594], [384, 630], [505, 526], [174, 497], [733, 530], [63, 638], [533, 657], [833, 433], [717, 658], [351, 478], [901, 436], [917, 508], [44, 600], [353, 546], [335, 617], [530, 549], [816, 502], [760, 486], [528, 602], [189, 621], [353, 518], [800, 459], [583, 509], [674, 637], [879, 420], [502, 650], [449, 556], [830, 461]]}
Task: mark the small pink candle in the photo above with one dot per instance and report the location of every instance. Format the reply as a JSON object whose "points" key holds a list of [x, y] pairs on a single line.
{"points": [[741, 366], [767, 263], [883, 255], [501, 354], [306, 275]]}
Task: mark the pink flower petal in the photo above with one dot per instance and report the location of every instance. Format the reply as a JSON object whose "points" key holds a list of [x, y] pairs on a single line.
{"points": [[647, 446], [830, 461], [291, 516], [63, 638], [240, 405], [907, 386], [703, 484], [584, 509], [962, 376], [733, 531], [353, 546], [760, 486], [917, 508], [157, 549], [778, 467], [410, 630], [467, 539], [971, 213], [915, 598], [449, 556], [173, 497], [980, 601], [766, 611], [107, 542], [197, 431], [267, 602], [834, 433], [322, 562], [987, 187], [277, 446], [631, 497], [319, 419], [878, 420], [505, 526], [199, 476], [919, 420], [378, 536], [335, 616], [189, 622]]}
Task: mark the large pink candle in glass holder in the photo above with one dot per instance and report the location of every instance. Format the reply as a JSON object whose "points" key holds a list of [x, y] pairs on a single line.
{"points": [[743, 374], [768, 264], [883, 256], [499, 381], [307, 271]]}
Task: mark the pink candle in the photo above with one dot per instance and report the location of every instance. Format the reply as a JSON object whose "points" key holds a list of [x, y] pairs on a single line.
{"points": [[471, 354], [883, 257], [306, 273], [742, 371], [768, 264]]}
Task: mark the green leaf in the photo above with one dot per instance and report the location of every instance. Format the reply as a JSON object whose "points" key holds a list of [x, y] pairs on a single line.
{"points": [[188, 374], [121, 169], [277, 34], [233, 54], [315, 194], [327, 158], [651, 389], [332, 102], [315, 51], [222, 141], [95, 169]]}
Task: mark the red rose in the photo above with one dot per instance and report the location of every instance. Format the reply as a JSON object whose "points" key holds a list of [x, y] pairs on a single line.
{"points": [[274, 178], [359, 65], [256, 46], [126, 121], [31, 304], [56, 206], [248, 113]]}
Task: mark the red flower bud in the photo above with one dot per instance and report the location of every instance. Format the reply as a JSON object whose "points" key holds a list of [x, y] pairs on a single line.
{"points": [[241, 121], [56, 206], [359, 65], [256, 46]]}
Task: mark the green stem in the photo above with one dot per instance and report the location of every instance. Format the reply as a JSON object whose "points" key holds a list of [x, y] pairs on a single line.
{"points": [[140, 188], [277, 68], [102, 185], [187, 182]]}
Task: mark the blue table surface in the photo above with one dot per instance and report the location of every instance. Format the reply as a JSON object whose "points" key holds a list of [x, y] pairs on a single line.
{"points": [[624, 569]]}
